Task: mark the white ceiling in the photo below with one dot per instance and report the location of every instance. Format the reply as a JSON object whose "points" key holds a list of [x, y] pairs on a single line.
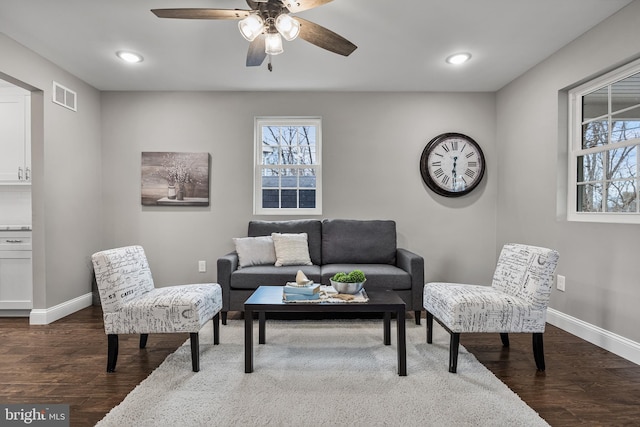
{"points": [[401, 44]]}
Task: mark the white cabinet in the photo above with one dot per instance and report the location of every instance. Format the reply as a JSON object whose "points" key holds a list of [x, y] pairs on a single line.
{"points": [[15, 136], [16, 282]]}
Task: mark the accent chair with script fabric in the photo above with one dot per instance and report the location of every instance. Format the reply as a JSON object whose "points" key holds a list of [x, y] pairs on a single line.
{"points": [[516, 301], [132, 305]]}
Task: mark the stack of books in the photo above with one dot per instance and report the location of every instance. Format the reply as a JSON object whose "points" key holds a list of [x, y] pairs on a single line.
{"points": [[295, 292]]}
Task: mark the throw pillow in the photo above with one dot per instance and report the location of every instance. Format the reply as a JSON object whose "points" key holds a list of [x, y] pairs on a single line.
{"points": [[291, 249], [255, 251]]}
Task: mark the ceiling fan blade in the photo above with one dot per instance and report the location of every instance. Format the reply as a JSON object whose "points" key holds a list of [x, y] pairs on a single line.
{"points": [[296, 6], [253, 4], [324, 38], [201, 13], [256, 52]]}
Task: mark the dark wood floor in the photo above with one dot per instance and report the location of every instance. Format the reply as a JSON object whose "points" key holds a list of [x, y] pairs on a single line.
{"points": [[65, 362]]}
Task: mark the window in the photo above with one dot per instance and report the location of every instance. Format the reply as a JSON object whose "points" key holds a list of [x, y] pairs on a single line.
{"points": [[288, 173], [604, 144]]}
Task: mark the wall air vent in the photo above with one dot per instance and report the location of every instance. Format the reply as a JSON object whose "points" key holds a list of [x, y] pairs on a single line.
{"points": [[64, 96]]}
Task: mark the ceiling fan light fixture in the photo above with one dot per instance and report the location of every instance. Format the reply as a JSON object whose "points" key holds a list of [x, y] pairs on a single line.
{"points": [[458, 58], [288, 27], [251, 27], [273, 44]]}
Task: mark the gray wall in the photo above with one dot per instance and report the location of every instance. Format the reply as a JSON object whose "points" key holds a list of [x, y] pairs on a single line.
{"points": [[600, 261], [66, 176], [372, 144]]}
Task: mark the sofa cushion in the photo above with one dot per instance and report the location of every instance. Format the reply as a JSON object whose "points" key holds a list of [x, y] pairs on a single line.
{"points": [[312, 227], [291, 249], [268, 275], [379, 276], [255, 251], [347, 241]]}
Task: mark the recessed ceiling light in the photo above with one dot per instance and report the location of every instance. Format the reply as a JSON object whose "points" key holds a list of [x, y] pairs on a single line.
{"points": [[131, 57], [458, 58]]}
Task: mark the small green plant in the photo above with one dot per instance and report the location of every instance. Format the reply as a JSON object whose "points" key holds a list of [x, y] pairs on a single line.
{"points": [[356, 276]]}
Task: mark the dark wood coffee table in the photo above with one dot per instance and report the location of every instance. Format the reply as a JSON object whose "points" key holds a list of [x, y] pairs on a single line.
{"points": [[269, 299]]}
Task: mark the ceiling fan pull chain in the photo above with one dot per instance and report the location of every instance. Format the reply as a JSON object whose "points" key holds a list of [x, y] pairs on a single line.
{"points": [[269, 66]]}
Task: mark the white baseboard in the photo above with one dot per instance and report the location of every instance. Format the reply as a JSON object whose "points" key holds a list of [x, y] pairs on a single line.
{"points": [[49, 315], [614, 343]]}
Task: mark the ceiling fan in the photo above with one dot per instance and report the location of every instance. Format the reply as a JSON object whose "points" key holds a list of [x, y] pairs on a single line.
{"points": [[266, 23]]}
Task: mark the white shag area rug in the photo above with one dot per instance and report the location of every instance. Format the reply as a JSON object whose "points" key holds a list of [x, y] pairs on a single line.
{"points": [[321, 373]]}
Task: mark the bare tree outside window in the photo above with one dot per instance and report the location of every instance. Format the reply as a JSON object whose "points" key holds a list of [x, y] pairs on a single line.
{"points": [[288, 165], [608, 180], [607, 170]]}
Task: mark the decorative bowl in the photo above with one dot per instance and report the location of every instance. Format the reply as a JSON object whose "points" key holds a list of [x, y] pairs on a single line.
{"points": [[347, 288]]}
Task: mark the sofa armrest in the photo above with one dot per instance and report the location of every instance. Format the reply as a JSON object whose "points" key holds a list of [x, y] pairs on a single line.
{"points": [[227, 264], [414, 265]]}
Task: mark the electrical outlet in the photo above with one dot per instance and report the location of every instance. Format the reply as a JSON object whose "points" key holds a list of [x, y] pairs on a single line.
{"points": [[560, 283], [202, 266]]}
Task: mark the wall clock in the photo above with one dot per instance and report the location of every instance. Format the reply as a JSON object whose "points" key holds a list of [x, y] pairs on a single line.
{"points": [[452, 164]]}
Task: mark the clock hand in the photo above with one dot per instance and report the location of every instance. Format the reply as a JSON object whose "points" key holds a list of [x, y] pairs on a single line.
{"points": [[453, 172]]}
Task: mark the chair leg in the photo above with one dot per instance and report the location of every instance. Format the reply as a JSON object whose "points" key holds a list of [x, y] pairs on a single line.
{"points": [[224, 317], [195, 351], [538, 351], [112, 352], [429, 328], [143, 340], [505, 339], [216, 329], [418, 316], [453, 352]]}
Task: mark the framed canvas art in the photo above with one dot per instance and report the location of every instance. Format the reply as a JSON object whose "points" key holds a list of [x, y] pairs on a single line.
{"points": [[175, 179]]}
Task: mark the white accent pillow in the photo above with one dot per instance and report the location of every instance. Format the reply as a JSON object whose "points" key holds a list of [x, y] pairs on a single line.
{"points": [[291, 249], [255, 251]]}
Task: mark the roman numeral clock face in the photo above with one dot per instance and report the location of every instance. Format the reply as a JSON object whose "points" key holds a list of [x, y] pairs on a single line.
{"points": [[452, 164]]}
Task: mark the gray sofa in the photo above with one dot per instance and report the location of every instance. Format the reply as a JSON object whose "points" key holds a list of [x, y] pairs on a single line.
{"points": [[334, 245]]}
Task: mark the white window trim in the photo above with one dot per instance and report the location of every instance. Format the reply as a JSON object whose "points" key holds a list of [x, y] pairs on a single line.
{"points": [[575, 147], [257, 155]]}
